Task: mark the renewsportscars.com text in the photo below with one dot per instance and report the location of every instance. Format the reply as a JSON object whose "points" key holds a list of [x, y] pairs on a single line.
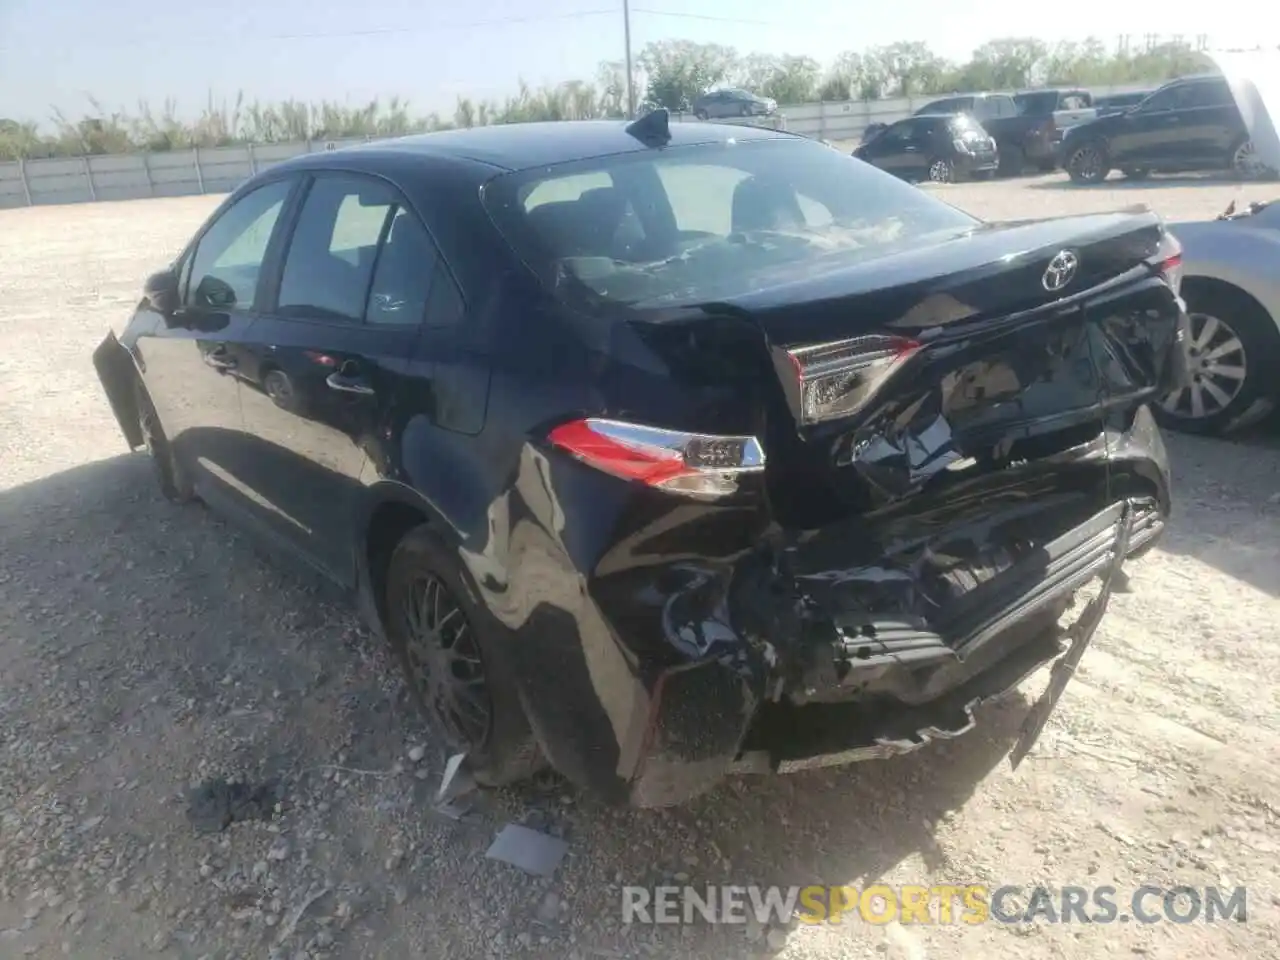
{"points": [[939, 904]]}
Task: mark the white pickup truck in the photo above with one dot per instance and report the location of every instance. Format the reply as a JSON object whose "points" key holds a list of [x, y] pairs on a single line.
{"points": [[1067, 106]]}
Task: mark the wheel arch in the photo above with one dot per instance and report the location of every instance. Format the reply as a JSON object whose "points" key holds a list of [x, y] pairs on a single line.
{"points": [[389, 511]]}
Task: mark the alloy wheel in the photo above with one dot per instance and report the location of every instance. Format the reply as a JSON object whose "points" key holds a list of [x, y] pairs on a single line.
{"points": [[1219, 368], [940, 171], [444, 662], [1087, 162], [1245, 162]]}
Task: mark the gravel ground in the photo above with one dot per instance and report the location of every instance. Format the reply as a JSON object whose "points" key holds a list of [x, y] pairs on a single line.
{"points": [[145, 648]]}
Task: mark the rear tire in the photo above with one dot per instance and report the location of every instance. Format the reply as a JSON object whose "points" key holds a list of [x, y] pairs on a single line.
{"points": [[941, 170], [458, 670], [173, 481], [1012, 159], [700, 114], [1088, 163], [1234, 347]]}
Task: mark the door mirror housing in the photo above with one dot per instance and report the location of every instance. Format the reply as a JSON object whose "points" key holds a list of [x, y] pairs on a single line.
{"points": [[161, 291]]}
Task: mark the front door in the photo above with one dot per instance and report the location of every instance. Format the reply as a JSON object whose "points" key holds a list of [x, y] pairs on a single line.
{"points": [[1158, 135], [332, 355], [192, 361]]}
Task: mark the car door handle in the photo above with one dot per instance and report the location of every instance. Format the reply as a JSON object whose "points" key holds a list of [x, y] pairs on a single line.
{"points": [[346, 383], [913, 149], [219, 359]]}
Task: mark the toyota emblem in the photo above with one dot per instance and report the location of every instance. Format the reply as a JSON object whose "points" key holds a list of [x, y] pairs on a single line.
{"points": [[1061, 271]]}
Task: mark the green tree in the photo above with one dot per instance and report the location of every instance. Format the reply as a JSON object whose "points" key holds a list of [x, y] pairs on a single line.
{"points": [[679, 70]]}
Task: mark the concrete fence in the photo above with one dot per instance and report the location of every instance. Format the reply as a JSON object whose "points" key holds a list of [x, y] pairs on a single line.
{"points": [[220, 169]]}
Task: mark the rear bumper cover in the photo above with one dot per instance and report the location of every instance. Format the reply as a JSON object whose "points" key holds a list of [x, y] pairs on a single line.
{"points": [[649, 685], [696, 705]]}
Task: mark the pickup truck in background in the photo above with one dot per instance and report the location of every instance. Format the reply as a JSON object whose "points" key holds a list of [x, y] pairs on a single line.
{"points": [[1027, 132]]}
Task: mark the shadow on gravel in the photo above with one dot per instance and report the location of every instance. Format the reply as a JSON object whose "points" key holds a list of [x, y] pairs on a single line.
{"points": [[1224, 512], [1158, 182], [151, 648]]}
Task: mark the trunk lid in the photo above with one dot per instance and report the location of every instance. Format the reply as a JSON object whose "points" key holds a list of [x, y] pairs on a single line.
{"points": [[994, 271]]}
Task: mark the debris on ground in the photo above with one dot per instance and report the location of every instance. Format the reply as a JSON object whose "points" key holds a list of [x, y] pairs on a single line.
{"points": [[216, 804], [531, 850]]}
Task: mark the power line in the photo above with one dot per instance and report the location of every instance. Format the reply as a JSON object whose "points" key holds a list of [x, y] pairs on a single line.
{"points": [[371, 32], [681, 15]]}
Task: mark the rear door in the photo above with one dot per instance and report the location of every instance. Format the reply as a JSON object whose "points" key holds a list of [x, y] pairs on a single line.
{"points": [[332, 353], [1158, 134], [193, 362], [901, 149], [1213, 122]]}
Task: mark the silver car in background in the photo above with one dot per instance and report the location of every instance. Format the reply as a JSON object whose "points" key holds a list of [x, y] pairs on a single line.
{"points": [[1231, 278]]}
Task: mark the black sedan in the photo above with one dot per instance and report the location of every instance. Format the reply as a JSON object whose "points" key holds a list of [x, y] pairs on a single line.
{"points": [[941, 148], [659, 452]]}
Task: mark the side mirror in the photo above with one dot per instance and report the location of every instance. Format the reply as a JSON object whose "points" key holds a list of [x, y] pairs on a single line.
{"points": [[161, 291]]}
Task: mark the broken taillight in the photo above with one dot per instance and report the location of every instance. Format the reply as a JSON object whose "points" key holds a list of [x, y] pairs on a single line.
{"points": [[693, 464], [838, 379], [1168, 260]]}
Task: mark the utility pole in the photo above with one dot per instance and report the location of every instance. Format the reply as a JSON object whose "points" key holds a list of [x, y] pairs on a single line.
{"points": [[631, 84]]}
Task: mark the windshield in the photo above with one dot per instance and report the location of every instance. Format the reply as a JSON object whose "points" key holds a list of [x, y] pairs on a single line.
{"points": [[712, 221]]}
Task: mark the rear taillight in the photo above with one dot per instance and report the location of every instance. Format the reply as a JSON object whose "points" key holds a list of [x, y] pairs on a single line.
{"points": [[838, 379], [1168, 261], [692, 464]]}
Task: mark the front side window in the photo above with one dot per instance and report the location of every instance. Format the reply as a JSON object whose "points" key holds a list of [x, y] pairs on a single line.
{"points": [[1166, 98], [330, 261], [717, 220], [224, 270]]}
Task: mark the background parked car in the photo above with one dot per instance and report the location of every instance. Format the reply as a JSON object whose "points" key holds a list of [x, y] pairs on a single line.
{"points": [[937, 148], [1188, 124], [1022, 137], [732, 102], [1230, 282]]}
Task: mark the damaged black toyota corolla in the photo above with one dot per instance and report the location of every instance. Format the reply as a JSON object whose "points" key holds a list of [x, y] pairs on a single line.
{"points": [[663, 453]]}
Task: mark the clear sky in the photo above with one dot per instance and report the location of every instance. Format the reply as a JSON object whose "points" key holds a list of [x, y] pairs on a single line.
{"points": [[54, 52]]}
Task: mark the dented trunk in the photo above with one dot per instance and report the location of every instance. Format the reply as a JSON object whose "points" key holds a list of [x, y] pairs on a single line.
{"points": [[959, 485]]}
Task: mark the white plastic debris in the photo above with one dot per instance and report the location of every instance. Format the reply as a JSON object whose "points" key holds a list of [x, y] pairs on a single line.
{"points": [[533, 852]]}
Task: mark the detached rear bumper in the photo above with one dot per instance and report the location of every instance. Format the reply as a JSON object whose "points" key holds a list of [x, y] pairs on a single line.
{"points": [[903, 689]]}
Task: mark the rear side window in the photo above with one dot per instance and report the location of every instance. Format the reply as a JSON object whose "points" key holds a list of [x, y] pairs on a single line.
{"points": [[224, 270], [403, 277], [330, 261], [716, 220], [1214, 93]]}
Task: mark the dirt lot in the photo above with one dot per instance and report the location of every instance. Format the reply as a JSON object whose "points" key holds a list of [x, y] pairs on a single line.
{"points": [[145, 647]]}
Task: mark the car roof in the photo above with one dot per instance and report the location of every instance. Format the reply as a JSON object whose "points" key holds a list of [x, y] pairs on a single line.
{"points": [[520, 146]]}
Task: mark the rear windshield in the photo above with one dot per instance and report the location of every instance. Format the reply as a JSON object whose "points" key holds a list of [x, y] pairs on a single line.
{"points": [[962, 124], [692, 224]]}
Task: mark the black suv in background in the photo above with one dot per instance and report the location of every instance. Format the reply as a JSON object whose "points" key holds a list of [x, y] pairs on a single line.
{"points": [[1188, 124], [938, 148]]}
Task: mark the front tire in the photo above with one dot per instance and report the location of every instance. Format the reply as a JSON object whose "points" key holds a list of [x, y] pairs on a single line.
{"points": [[1088, 163], [456, 666], [172, 479], [1232, 349]]}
